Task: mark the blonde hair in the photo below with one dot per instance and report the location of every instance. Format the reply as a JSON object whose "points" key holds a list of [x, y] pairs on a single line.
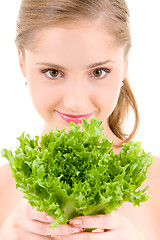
{"points": [[112, 15]]}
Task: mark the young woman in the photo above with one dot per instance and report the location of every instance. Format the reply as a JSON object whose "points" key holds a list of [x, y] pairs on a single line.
{"points": [[74, 56]]}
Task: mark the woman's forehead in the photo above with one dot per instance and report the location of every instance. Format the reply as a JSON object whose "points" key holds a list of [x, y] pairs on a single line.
{"points": [[80, 47], [77, 39]]}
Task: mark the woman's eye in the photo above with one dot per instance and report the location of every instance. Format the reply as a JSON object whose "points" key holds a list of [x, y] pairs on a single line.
{"points": [[52, 73], [100, 72]]}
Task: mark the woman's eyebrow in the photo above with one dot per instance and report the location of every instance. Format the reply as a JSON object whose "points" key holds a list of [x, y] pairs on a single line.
{"points": [[99, 63], [52, 65]]}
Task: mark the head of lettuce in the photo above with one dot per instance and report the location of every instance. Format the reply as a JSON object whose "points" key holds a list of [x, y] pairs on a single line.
{"points": [[75, 173]]}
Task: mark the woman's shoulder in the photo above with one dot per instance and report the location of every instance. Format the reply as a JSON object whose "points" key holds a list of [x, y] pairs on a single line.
{"points": [[5, 176], [157, 159], [7, 182], [154, 182], [155, 172], [9, 195], [155, 168]]}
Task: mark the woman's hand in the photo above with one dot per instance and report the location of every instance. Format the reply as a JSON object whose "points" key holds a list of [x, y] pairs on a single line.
{"points": [[29, 224], [110, 227], [26, 223]]}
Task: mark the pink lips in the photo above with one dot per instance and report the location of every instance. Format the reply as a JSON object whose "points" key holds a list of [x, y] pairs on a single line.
{"points": [[73, 118]]}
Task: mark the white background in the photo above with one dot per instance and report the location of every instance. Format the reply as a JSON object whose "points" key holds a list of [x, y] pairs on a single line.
{"points": [[16, 111]]}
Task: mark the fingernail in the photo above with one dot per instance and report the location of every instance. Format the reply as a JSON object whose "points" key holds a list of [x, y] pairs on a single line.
{"points": [[49, 219], [57, 238], [76, 230], [75, 222]]}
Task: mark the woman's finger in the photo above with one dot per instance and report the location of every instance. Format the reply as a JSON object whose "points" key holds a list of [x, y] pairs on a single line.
{"points": [[109, 221], [94, 236], [25, 235], [37, 237], [32, 213], [37, 222], [42, 228]]}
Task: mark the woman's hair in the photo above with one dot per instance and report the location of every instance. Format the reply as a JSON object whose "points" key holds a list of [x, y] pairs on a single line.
{"points": [[112, 15]]}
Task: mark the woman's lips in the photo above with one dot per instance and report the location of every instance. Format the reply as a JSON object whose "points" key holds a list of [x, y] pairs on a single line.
{"points": [[73, 118]]}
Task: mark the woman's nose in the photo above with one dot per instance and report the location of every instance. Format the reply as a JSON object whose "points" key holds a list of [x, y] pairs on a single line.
{"points": [[76, 98]]}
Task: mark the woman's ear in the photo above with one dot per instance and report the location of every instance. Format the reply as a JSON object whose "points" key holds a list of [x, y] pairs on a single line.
{"points": [[22, 61]]}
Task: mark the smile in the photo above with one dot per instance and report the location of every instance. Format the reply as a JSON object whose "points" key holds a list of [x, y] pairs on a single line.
{"points": [[73, 118]]}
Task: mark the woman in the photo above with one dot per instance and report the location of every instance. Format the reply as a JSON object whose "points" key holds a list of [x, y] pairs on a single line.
{"points": [[74, 55]]}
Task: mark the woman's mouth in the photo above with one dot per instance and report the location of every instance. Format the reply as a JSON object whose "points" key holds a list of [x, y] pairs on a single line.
{"points": [[73, 118]]}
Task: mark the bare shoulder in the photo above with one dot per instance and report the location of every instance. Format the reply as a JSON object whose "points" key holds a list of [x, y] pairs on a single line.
{"points": [[5, 176], [154, 172], [9, 195], [154, 182], [156, 158], [155, 169], [6, 183]]}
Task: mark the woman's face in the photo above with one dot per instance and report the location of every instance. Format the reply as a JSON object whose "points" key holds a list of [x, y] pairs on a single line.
{"points": [[72, 72]]}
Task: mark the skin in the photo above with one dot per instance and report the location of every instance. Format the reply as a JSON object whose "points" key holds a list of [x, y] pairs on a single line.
{"points": [[76, 90]]}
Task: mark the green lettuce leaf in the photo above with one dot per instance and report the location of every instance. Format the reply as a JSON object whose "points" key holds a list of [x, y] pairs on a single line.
{"points": [[76, 173]]}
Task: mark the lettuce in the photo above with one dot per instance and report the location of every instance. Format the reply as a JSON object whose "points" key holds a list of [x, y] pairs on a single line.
{"points": [[75, 173]]}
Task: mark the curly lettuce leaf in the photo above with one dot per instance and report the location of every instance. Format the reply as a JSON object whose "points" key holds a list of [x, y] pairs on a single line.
{"points": [[75, 173]]}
